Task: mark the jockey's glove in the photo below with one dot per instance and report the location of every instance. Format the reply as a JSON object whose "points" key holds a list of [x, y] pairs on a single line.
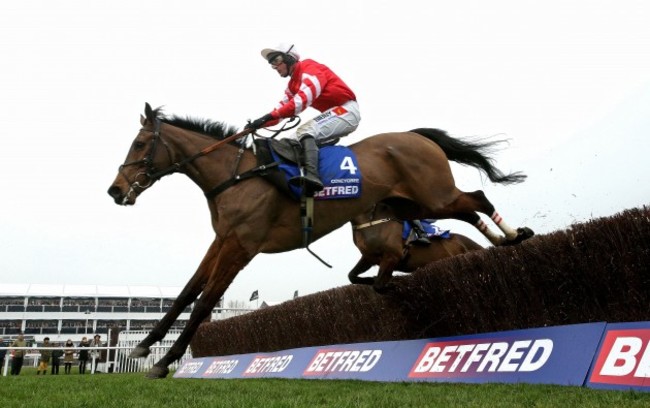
{"points": [[258, 123]]}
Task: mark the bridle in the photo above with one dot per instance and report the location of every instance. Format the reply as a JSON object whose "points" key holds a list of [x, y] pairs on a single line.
{"points": [[372, 222], [150, 170]]}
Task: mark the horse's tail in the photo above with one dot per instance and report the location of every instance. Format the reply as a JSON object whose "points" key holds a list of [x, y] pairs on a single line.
{"points": [[475, 154]]}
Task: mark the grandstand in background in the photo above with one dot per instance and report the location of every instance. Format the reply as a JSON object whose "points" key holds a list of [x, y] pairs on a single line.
{"points": [[63, 312]]}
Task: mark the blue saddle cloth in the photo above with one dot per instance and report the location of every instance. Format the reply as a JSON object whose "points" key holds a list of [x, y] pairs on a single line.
{"points": [[339, 172], [432, 230]]}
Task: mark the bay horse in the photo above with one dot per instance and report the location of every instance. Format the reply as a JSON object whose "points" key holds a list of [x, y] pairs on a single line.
{"points": [[378, 236], [254, 217]]}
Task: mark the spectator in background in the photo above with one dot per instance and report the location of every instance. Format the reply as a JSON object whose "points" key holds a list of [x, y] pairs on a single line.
{"points": [[46, 355], [83, 355], [17, 360], [68, 356], [3, 353], [95, 353], [56, 358]]}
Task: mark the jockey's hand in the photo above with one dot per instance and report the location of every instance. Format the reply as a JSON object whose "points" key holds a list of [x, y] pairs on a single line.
{"points": [[258, 123]]}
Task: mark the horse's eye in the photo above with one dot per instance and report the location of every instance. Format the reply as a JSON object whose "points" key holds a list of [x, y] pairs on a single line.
{"points": [[138, 145]]}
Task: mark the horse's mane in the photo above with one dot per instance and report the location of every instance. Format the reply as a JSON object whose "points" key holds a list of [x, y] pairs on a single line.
{"points": [[215, 129], [212, 128]]}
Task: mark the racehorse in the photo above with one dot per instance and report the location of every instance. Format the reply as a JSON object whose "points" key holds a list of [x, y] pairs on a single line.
{"points": [[252, 216], [378, 236]]}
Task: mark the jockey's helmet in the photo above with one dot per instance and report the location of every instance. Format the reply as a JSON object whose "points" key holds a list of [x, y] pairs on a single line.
{"points": [[287, 53]]}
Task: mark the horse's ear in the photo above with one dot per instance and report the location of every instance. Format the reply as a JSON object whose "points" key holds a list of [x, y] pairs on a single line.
{"points": [[142, 120], [148, 112]]}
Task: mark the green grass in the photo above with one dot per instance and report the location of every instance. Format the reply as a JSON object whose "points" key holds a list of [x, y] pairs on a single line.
{"points": [[133, 390]]}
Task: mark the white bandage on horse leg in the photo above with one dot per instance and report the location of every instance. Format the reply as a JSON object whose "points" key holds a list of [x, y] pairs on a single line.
{"points": [[488, 233], [503, 226]]}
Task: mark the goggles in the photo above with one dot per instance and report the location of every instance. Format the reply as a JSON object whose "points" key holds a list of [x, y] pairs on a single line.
{"points": [[276, 60]]}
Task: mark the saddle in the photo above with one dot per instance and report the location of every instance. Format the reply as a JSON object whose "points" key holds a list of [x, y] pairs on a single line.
{"points": [[279, 152], [289, 150]]}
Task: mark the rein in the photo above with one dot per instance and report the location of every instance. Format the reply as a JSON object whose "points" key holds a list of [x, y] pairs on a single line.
{"points": [[178, 165], [236, 178]]}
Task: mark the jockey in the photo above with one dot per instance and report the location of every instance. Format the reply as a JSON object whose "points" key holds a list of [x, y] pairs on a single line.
{"points": [[418, 233], [310, 84]]}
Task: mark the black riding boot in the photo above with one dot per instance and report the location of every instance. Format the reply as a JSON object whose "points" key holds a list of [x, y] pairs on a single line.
{"points": [[420, 235], [310, 177]]}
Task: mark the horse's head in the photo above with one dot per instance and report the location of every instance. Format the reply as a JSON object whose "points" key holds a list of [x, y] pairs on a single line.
{"points": [[147, 155]]}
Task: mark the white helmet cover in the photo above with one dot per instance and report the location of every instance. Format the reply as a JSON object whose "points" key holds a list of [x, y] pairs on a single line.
{"points": [[282, 48]]}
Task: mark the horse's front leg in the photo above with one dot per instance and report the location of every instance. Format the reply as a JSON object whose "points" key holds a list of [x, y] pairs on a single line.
{"points": [[386, 267], [230, 259], [188, 295], [362, 266]]}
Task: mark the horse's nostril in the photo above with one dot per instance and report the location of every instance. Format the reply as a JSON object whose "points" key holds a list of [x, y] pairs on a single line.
{"points": [[114, 191]]}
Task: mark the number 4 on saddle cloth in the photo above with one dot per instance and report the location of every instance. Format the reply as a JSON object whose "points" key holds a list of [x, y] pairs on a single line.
{"points": [[338, 167]]}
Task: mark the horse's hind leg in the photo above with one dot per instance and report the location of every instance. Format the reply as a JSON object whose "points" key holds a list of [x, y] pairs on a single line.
{"points": [[465, 208], [188, 295], [512, 236], [230, 258]]}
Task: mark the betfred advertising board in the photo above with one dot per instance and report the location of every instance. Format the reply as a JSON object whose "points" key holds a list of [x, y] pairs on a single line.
{"points": [[552, 355], [623, 358]]}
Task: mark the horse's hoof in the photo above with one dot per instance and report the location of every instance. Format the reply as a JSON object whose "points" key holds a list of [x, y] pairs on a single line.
{"points": [[522, 235], [139, 352], [158, 372]]}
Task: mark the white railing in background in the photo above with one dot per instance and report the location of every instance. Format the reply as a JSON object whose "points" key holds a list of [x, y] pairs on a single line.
{"points": [[128, 340], [117, 360]]}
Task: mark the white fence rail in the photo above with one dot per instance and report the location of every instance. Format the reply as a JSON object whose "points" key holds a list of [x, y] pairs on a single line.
{"points": [[115, 358]]}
